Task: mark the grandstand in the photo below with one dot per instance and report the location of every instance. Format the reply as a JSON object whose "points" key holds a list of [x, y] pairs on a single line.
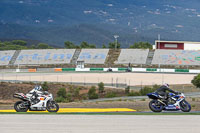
{"points": [[176, 57], [133, 56], [93, 56], [46, 56], [6, 56], [100, 58]]}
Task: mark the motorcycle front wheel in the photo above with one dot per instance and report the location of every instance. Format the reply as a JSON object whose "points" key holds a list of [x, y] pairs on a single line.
{"points": [[52, 106], [185, 106], [156, 106], [20, 107]]}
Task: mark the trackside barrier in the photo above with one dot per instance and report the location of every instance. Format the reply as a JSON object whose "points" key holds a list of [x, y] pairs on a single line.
{"points": [[68, 69], [113, 69], [151, 70], [181, 70], [82, 69], [96, 69], [58, 69], [194, 71], [122, 69], [32, 70]]}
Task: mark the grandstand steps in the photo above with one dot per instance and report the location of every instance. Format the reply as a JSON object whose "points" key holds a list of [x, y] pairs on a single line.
{"points": [[75, 56], [113, 55], [14, 57], [150, 57]]}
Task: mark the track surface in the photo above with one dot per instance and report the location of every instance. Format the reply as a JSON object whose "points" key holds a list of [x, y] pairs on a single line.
{"points": [[111, 78], [98, 124]]}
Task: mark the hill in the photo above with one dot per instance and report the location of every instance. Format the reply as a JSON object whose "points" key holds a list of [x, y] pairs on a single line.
{"points": [[96, 21]]}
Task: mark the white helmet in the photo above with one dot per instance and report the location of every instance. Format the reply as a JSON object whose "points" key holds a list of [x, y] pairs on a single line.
{"points": [[167, 85], [38, 88]]}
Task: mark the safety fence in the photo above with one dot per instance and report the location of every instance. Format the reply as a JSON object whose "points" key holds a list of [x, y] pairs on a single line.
{"points": [[127, 70], [152, 70]]}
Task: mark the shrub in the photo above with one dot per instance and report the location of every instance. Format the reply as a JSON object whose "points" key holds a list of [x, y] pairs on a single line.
{"points": [[101, 87], [92, 93], [62, 93], [69, 97], [193, 105], [196, 81], [193, 99], [60, 99], [134, 93], [155, 87], [144, 91], [110, 95], [76, 92], [127, 90], [45, 86]]}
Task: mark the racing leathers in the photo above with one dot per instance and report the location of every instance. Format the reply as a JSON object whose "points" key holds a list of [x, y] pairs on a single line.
{"points": [[163, 91]]}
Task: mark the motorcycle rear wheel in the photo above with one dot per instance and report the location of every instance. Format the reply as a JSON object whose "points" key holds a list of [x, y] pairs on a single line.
{"points": [[20, 107], [185, 106], [155, 106], [52, 106]]}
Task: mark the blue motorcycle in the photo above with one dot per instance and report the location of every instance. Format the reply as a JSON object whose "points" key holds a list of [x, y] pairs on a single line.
{"points": [[174, 102]]}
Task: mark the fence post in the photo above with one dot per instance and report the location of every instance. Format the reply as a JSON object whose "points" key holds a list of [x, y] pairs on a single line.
{"points": [[116, 82]]}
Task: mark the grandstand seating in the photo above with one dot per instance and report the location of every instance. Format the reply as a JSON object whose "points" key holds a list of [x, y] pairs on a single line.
{"points": [[93, 56], [176, 57], [46, 56], [98, 56], [133, 56], [6, 56]]}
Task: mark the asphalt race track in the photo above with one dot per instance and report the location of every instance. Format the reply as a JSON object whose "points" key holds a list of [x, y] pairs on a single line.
{"points": [[23, 123]]}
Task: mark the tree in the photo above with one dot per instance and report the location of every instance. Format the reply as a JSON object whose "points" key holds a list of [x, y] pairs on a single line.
{"points": [[19, 42], [69, 45], [103, 46], [42, 46], [141, 45], [84, 45], [196, 81], [113, 45], [101, 87], [92, 46], [92, 93]]}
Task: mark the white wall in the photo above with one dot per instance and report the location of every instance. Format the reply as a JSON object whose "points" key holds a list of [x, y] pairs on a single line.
{"points": [[191, 46]]}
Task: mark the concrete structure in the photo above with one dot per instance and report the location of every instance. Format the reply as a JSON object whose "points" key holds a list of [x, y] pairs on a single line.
{"points": [[176, 57], [133, 56], [93, 56], [45, 56], [6, 56], [178, 45]]}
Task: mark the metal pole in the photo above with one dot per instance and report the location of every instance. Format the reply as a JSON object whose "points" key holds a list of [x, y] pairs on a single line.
{"points": [[116, 82], [116, 36], [159, 41]]}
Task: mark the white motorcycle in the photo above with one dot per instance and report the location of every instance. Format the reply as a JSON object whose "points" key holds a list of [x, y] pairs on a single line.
{"points": [[35, 100]]}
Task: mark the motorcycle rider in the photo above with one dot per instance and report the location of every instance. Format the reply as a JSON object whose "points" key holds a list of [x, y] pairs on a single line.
{"points": [[35, 93], [162, 91]]}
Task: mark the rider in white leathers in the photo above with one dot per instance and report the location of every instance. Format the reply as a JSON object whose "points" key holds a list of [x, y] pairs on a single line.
{"points": [[34, 93]]}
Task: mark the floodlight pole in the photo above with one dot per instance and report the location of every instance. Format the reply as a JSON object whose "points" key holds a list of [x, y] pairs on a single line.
{"points": [[116, 36], [158, 41]]}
